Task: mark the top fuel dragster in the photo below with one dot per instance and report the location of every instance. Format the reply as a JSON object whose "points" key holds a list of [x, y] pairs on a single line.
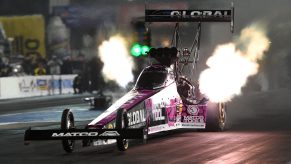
{"points": [[163, 98]]}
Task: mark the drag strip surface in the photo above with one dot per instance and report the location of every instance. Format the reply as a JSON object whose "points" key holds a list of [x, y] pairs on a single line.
{"points": [[260, 133], [49, 114], [182, 147]]}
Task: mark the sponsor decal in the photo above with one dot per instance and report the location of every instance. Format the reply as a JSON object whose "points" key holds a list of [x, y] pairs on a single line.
{"points": [[178, 118], [192, 110], [55, 83], [74, 134], [103, 142], [158, 115], [171, 115], [42, 84], [26, 85], [188, 125], [110, 126], [193, 119], [193, 125], [198, 13], [136, 117], [67, 83], [110, 133], [156, 128], [28, 34], [179, 107]]}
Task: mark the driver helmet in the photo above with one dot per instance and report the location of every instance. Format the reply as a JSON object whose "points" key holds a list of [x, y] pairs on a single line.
{"points": [[186, 52]]}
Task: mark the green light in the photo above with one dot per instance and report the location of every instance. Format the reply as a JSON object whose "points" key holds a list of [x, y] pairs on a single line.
{"points": [[145, 49], [136, 50]]}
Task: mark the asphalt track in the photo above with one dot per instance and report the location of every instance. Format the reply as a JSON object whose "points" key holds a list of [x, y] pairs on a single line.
{"points": [[260, 132]]}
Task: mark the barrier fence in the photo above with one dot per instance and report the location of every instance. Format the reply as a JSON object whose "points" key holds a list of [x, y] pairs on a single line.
{"points": [[29, 86]]}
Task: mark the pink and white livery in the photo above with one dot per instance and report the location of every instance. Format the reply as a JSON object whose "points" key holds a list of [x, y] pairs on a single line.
{"points": [[164, 97]]}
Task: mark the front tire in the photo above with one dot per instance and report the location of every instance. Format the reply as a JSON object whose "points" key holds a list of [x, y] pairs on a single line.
{"points": [[216, 117], [121, 123], [67, 123]]}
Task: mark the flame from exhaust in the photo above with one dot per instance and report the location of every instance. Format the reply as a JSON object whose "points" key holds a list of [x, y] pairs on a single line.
{"points": [[231, 64], [118, 64]]}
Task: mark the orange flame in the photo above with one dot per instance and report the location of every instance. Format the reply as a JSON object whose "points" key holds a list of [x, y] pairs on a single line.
{"points": [[231, 64], [118, 64]]}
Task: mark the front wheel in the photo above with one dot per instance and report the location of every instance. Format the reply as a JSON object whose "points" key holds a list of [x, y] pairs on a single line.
{"points": [[67, 123], [216, 117], [122, 123]]}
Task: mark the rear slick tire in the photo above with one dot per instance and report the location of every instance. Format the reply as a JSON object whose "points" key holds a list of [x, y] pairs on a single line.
{"points": [[121, 123], [216, 117], [67, 123]]}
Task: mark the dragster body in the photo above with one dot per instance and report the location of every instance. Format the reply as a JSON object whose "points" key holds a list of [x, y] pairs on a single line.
{"points": [[154, 103], [164, 97]]}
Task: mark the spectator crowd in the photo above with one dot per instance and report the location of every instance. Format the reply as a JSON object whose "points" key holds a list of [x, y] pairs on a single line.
{"points": [[88, 70]]}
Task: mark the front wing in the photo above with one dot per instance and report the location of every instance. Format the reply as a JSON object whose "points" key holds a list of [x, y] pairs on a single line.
{"points": [[82, 134]]}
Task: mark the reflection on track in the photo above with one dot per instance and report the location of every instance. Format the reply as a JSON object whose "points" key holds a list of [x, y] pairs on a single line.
{"points": [[50, 114]]}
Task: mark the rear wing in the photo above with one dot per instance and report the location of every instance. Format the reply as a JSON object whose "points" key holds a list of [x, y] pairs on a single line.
{"points": [[191, 16], [81, 134]]}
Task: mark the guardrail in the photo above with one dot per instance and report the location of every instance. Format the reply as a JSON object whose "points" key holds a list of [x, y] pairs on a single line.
{"points": [[29, 86]]}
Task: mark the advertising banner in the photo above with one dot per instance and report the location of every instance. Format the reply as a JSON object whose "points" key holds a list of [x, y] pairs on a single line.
{"points": [[28, 86], [27, 32]]}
